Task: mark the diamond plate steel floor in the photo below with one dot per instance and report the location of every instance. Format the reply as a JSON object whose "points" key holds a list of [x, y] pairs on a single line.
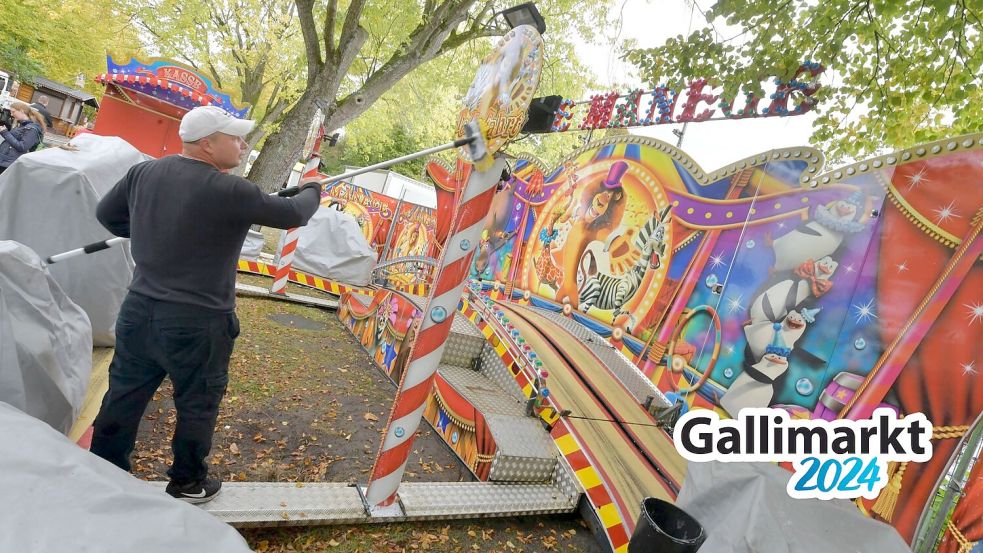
{"points": [[464, 343], [249, 504], [524, 451]]}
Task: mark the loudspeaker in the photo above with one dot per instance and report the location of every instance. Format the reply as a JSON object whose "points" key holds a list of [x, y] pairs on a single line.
{"points": [[541, 113]]}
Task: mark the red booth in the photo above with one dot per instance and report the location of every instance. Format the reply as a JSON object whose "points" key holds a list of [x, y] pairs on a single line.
{"points": [[145, 100]]}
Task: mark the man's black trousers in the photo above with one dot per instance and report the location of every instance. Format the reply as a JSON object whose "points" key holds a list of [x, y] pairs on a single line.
{"points": [[190, 345]]}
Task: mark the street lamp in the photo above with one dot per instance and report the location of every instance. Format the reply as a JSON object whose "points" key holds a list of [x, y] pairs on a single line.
{"points": [[525, 14]]}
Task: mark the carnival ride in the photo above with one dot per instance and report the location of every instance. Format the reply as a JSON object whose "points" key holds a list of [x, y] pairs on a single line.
{"points": [[627, 284], [847, 314], [611, 293], [765, 283]]}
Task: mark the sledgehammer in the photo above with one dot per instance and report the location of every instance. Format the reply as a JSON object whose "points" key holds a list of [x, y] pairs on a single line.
{"points": [[475, 147]]}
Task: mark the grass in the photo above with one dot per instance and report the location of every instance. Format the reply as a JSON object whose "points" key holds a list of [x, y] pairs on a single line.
{"points": [[298, 409]]}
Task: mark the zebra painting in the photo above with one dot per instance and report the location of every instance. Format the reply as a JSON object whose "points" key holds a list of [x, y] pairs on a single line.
{"points": [[605, 291]]}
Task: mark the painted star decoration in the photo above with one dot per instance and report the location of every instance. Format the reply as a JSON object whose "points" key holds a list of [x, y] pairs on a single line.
{"points": [[864, 312], [734, 303], [975, 312], [717, 260], [947, 212], [917, 178]]}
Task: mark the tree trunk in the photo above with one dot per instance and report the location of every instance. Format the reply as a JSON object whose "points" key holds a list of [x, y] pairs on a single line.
{"points": [[283, 148]]}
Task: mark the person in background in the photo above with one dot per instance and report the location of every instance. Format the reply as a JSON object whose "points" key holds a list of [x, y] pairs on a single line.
{"points": [[42, 106], [186, 218], [24, 137]]}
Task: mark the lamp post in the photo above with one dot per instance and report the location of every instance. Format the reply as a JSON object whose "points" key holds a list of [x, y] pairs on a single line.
{"points": [[524, 14]]}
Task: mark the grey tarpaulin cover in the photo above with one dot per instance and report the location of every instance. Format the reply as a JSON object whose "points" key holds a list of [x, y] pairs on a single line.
{"points": [[253, 245], [745, 508], [332, 246], [45, 342], [59, 498], [48, 201]]}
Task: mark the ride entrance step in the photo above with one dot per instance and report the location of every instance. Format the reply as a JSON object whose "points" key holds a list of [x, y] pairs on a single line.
{"points": [[523, 449], [464, 343]]}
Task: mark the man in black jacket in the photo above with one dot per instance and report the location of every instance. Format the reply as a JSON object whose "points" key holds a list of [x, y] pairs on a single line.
{"points": [[42, 106], [187, 220]]}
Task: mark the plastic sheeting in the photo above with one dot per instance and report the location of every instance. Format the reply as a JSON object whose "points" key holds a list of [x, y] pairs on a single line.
{"points": [[332, 246], [45, 342], [48, 200], [57, 497], [253, 245], [745, 508]]}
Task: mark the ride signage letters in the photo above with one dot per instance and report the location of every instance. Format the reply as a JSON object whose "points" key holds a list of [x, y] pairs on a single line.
{"points": [[664, 106]]}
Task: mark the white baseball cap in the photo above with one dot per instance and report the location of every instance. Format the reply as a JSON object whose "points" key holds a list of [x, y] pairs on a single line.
{"points": [[205, 120]]}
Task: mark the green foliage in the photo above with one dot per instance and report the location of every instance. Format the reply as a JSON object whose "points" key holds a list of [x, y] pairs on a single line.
{"points": [[420, 110], [898, 73], [390, 72], [59, 40], [251, 49]]}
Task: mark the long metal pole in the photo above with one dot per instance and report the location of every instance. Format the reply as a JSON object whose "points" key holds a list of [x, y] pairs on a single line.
{"points": [[89, 248], [105, 244], [384, 164]]}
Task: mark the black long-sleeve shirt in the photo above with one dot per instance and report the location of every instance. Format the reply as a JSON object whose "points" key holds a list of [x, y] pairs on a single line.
{"points": [[186, 221]]}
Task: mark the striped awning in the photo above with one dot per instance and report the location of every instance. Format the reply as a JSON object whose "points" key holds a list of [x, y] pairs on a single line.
{"points": [[142, 82]]}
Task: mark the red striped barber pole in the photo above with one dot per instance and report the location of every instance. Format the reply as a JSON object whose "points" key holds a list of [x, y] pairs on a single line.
{"points": [[284, 260], [519, 53], [289, 243], [417, 379]]}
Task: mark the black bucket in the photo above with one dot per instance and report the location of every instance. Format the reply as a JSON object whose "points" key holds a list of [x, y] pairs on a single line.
{"points": [[664, 528]]}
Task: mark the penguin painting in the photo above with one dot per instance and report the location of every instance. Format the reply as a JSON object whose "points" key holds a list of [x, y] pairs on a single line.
{"points": [[755, 387], [822, 235], [812, 281], [792, 327]]}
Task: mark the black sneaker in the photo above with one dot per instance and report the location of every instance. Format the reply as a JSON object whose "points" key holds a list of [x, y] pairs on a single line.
{"points": [[196, 492]]}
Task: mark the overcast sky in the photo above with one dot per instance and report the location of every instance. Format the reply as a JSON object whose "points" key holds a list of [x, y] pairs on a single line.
{"points": [[712, 144]]}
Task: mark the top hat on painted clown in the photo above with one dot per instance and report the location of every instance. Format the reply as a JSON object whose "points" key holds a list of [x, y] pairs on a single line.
{"points": [[613, 180]]}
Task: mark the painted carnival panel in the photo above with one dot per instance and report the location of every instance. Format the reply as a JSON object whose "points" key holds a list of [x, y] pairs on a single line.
{"points": [[381, 323], [600, 240], [839, 294], [373, 211]]}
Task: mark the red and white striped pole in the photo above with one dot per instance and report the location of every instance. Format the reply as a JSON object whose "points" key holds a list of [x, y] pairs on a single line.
{"points": [[417, 379], [288, 247], [520, 52]]}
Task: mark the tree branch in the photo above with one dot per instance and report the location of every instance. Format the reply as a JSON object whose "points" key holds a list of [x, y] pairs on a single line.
{"points": [[329, 17], [305, 13], [352, 25], [425, 43]]}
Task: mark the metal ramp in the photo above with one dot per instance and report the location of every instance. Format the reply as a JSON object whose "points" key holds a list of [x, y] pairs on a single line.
{"points": [[464, 344], [524, 450], [250, 290], [251, 504]]}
